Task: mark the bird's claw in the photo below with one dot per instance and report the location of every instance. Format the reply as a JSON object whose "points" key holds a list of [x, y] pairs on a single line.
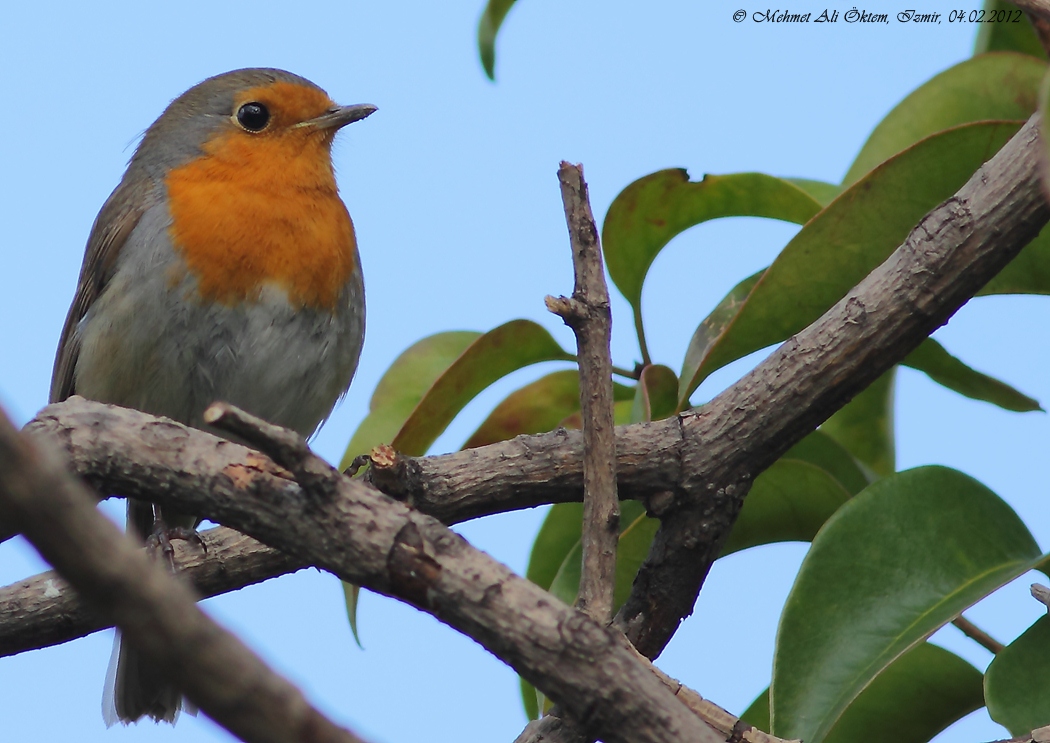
{"points": [[161, 537]]}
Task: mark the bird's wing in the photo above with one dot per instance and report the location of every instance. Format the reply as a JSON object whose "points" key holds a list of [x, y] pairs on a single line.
{"points": [[114, 224]]}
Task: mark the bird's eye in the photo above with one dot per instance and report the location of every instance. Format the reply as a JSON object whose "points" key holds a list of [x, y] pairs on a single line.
{"points": [[253, 117]]}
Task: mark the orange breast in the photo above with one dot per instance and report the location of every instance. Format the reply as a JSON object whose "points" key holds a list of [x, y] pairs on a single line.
{"points": [[263, 209]]}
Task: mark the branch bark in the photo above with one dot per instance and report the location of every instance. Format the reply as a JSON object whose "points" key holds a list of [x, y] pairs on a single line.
{"points": [[43, 610], [555, 727], [589, 316], [156, 613], [946, 259], [364, 537], [953, 251]]}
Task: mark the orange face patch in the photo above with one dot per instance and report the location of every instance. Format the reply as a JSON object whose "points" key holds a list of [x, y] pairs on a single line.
{"points": [[289, 103], [264, 208]]}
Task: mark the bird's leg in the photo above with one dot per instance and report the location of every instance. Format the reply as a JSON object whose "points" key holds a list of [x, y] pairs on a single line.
{"points": [[161, 536]]}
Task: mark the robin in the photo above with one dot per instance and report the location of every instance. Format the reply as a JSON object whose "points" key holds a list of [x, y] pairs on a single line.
{"points": [[223, 267]]}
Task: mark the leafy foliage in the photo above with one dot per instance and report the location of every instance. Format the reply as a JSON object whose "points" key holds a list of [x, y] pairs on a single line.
{"points": [[892, 565], [894, 555], [917, 696], [1017, 683]]}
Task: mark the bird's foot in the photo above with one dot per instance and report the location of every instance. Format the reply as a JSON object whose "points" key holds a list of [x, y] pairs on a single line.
{"points": [[162, 535]]}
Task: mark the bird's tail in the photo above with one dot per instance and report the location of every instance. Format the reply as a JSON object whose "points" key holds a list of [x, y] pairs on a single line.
{"points": [[134, 687]]}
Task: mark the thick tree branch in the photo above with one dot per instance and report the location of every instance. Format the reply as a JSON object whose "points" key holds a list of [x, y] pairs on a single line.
{"points": [[366, 538], [555, 727], [43, 610], [953, 251], [588, 314], [156, 613]]}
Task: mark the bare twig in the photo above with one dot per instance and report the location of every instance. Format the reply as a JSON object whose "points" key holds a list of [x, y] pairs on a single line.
{"points": [[977, 634], [157, 614], [284, 446], [1041, 594], [629, 373], [587, 313]]}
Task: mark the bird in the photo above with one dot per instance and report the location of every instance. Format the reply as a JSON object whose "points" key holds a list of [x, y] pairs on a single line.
{"points": [[224, 266]]}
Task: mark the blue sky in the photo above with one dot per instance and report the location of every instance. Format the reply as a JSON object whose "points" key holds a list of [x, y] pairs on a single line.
{"points": [[453, 190]]}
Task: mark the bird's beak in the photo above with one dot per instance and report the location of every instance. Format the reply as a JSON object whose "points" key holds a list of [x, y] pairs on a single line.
{"points": [[339, 116]]}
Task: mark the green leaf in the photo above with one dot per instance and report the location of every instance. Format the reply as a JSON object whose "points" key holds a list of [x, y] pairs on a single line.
{"points": [[529, 700], [537, 407], [1010, 36], [823, 451], [757, 713], [1017, 683], [917, 696], [511, 346], [622, 412], [351, 593], [402, 388], [789, 502], [647, 214], [853, 235], [998, 87], [632, 549], [491, 19], [932, 359], [895, 563], [636, 534], [865, 426], [821, 192], [560, 531], [656, 396], [395, 397], [557, 554], [708, 332]]}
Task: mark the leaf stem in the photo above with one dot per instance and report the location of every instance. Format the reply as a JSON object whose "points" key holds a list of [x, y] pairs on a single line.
{"points": [[629, 373], [640, 331], [978, 635]]}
